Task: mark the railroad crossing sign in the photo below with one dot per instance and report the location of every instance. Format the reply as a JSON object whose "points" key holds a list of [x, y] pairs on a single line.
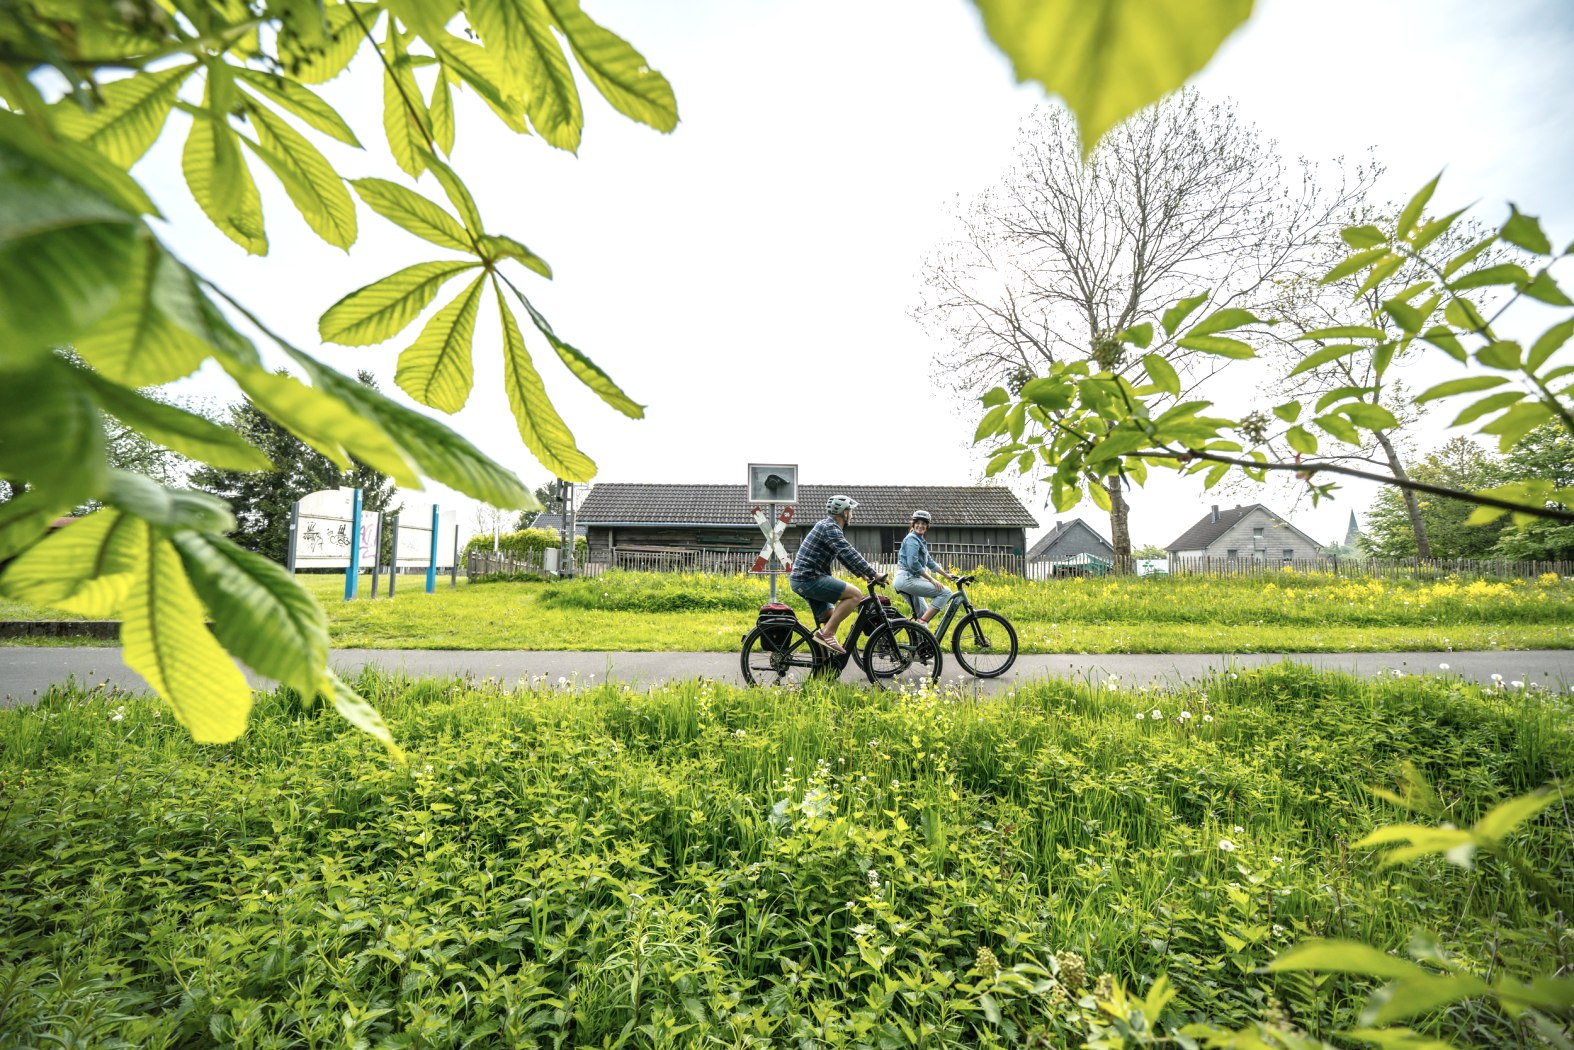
{"points": [[773, 540]]}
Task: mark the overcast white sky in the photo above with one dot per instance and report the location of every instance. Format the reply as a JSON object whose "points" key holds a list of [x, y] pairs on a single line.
{"points": [[750, 276]]}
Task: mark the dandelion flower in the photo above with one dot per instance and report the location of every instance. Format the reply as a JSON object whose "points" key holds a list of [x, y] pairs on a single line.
{"points": [[1442, 667], [1497, 678], [1207, 718], [1141, 716], [1517, 684], [1278, 860], [1238, 830], [1227, 846]]}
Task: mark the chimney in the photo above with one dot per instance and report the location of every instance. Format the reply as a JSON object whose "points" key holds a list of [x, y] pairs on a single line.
{"points": [[1215, 514]]}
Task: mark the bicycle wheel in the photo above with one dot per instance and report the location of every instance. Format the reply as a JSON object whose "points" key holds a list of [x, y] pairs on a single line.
{"points": [[901, 652], [985, 644], [778, 655]]}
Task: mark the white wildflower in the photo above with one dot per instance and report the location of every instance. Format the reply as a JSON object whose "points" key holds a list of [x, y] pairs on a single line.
{"points": [[1157, 713], [1442, 667], [1227, 846], [1141, 716], [1207, 718]]}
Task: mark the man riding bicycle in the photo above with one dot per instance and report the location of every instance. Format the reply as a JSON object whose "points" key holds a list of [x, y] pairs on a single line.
{"points": [[811, 576], [912, 570]]}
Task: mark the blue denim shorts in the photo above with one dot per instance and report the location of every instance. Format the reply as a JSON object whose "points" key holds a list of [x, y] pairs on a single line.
{"points": [[821, 593]]}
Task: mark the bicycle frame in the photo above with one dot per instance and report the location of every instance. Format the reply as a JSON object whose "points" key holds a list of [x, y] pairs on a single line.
{"points": [[872, 612], [962, 602]]}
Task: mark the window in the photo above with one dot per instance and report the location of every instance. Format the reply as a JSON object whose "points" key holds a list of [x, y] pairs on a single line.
{"points": [[1230, 553], [1289, 554], [1257, 534]]}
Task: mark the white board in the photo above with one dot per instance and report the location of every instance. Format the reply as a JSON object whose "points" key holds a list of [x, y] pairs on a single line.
{"points": [[324, 526], [415, 537]]}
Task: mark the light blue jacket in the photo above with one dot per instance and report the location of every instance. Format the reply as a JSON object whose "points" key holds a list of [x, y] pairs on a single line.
{"points": [[914, 557]]}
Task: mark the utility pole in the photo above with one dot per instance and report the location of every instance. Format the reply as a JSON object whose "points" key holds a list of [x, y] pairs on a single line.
{"points": [[566, 550]]}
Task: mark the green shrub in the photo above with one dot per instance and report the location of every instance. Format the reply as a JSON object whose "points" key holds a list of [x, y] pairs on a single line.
{"points": [[524, 542]]}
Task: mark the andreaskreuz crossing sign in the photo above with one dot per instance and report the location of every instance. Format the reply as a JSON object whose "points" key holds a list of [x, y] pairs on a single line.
{"points": [[773, 540]]}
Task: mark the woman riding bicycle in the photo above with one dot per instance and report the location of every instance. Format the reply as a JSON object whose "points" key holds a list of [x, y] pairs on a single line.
{"points": [[811, 576], [912, 570]]}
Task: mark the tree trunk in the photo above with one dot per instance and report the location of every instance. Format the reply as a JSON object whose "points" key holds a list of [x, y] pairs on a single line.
{"points": [[1412, 504], [1119, 525]]}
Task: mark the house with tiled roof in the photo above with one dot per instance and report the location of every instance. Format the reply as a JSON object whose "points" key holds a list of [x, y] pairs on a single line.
{"points": [[667, 517], [1244, 534], [1068, 539]]}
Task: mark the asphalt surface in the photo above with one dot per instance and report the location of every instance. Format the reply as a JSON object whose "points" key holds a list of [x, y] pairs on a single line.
{"points": [[25, 672]]}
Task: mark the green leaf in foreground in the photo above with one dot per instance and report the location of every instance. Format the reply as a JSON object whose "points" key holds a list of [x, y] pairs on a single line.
{"points": [[53, 434], [383, 309], [167, 642], [185, 432], [1334, 956], [87, 567], [437, 369], [260, 612], [618, 71], [583, 367], [440, 453], [412, 212], [1110, 59], [362, 715], [136, 342], [542, 429], [325, 421]]}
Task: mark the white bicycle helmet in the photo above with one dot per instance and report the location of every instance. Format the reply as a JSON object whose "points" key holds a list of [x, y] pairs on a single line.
{"points": [[840, 504], [921, 515]]}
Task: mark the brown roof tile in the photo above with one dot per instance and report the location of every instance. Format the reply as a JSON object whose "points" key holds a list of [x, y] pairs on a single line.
{"points": [[620, 503]]}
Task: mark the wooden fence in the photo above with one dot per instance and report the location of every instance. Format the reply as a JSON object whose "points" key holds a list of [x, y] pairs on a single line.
{"points": [[731, 561], [1387, 568], [487, 563]]}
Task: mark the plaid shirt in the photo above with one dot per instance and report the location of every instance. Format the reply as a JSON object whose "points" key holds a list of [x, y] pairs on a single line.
{"points": [[824, 544]]}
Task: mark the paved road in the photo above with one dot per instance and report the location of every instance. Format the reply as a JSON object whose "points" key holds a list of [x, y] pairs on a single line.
{"points": [[25, 672]]}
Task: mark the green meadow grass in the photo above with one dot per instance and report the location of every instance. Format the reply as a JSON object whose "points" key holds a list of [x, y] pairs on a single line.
{"points": [[705, 865], [1289, 612]]}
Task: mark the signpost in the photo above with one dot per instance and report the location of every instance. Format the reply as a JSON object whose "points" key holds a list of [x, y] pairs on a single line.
{"points": [[772, 484]]}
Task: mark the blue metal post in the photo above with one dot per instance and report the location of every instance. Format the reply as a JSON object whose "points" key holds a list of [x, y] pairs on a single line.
{"points": [[352, 575], [431, 561]]}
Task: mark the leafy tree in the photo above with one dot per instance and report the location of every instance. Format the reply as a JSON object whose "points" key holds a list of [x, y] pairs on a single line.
{"points": [[1150, 550], [1066, 253], [261, 499], [1089, 424], [1461, 464], [1547, 452], [1322, 314], [547, 496]]}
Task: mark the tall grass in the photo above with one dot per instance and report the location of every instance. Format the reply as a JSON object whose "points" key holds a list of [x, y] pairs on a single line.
{"points": [[577, 863]]}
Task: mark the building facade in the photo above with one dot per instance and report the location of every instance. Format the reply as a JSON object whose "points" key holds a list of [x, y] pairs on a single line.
{"points": [[1248, 534]]}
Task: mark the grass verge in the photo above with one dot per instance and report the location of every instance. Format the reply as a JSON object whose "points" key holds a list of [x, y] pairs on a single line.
{"points": [[704, 863], [1294, 612]]}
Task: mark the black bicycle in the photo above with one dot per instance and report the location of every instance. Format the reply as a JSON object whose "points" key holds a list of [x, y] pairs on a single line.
{"points": [[889, 648], [984, 643]]}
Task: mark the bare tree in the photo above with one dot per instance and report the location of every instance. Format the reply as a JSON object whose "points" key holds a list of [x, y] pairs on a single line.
{"points": [[1061, 255]]}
